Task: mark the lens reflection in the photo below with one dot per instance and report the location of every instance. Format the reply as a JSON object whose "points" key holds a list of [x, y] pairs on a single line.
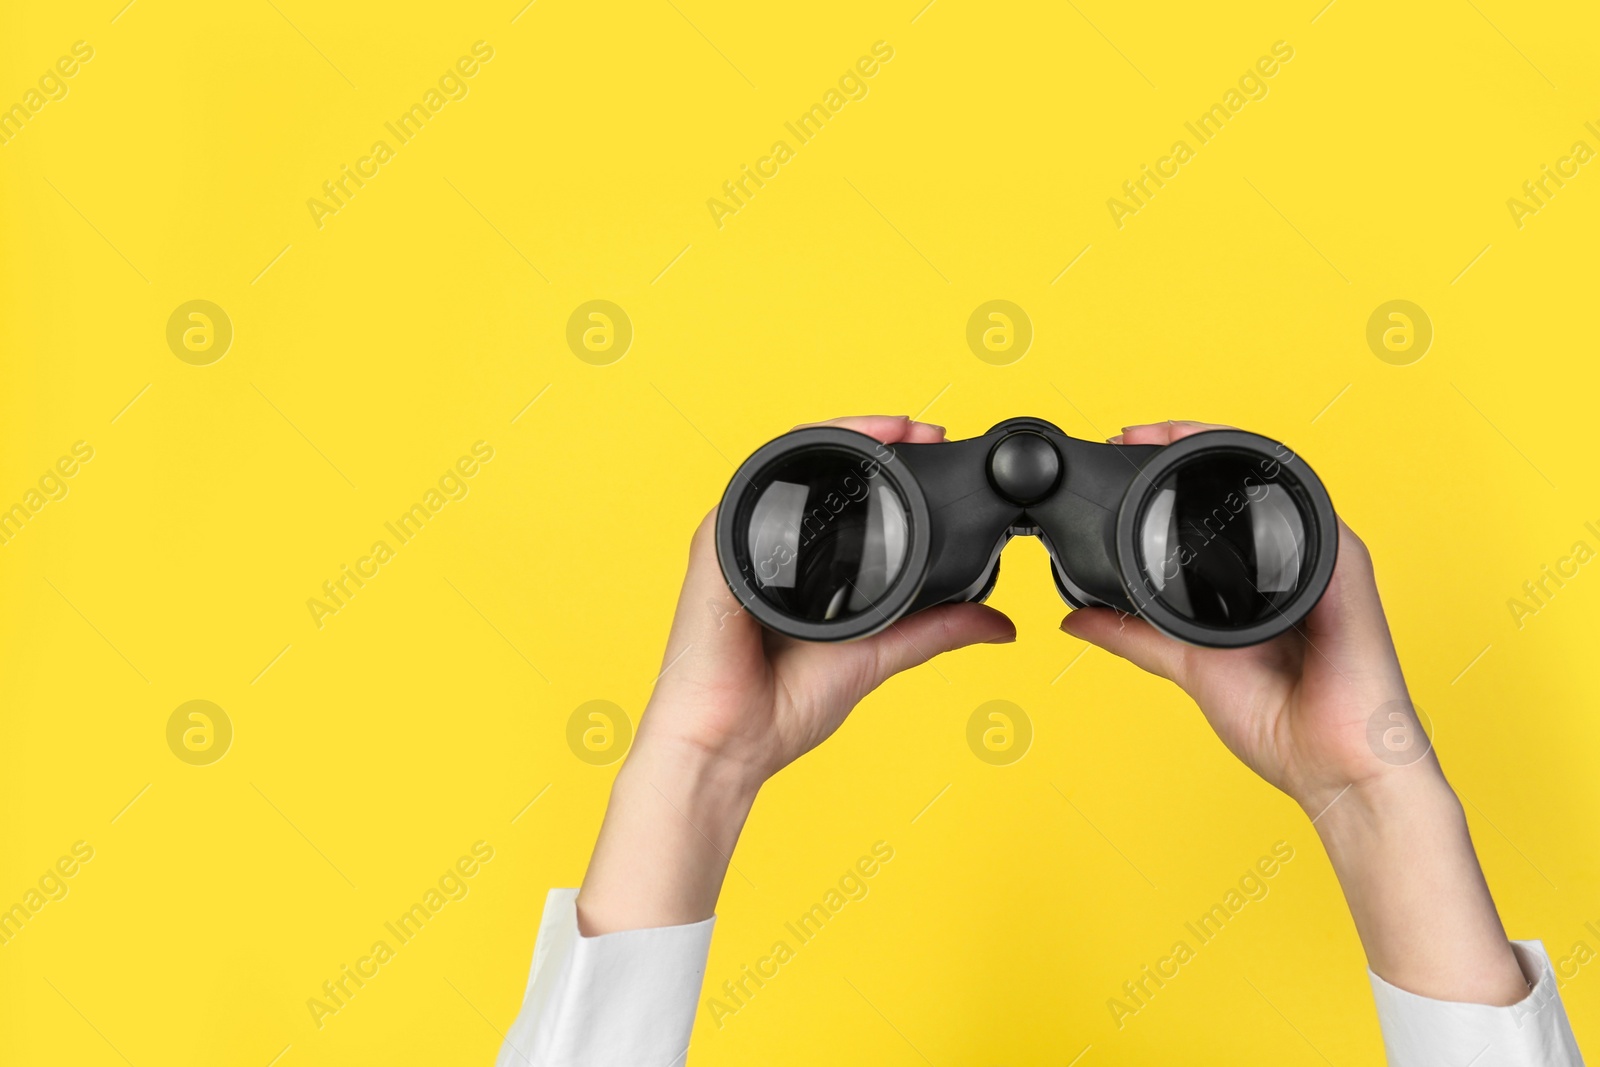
{"points": [[1223, 544], [826, 534]]}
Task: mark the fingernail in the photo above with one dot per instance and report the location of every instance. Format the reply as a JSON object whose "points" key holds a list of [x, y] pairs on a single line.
{"points": [[1002, 640], [935, 426], [1117, 440]]}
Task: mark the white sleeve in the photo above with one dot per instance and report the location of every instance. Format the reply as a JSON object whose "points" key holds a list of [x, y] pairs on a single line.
{"points": [[1419, 1032], [623, 998]]}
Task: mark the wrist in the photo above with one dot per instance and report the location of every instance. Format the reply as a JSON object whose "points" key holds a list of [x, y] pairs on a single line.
{"points": [[710, 792], [724, 747], [1404, 800]]}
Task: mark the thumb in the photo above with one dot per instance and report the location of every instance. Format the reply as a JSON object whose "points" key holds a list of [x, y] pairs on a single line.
{"points": [[1133, 639], [918, 638]]}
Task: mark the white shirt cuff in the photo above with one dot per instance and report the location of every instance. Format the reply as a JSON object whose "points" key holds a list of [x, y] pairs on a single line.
{"points": [[1420, 1032], [630, 997], [622, 998]]}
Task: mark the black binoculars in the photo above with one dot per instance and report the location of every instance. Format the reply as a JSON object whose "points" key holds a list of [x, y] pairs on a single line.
{"points": [[1222, 539]]}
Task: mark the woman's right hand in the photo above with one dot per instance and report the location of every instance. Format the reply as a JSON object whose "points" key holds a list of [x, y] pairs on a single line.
{"points": [[1297, 710]]}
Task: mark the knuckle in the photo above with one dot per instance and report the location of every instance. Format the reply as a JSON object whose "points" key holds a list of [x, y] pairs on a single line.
{"points": [[705, 533], [1356, 547], [1354, 555]]}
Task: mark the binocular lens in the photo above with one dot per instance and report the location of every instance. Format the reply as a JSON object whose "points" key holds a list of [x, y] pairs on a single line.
{"points": [[1222, 544], [821, 536]]}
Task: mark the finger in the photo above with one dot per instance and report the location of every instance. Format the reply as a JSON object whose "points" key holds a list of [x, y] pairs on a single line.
{"points": [[924, 433], [1349, 622], [890, 429], [1156, 433], [707, 608], [1349, 648], [918, 638], [1164, 433], [1133, 639]]}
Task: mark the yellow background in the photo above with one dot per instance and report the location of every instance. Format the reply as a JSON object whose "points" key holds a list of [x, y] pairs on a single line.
{"points": [[370, 353]]}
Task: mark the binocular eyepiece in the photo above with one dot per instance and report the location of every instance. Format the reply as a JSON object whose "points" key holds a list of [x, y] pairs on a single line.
{"points": [[1222, 539]]}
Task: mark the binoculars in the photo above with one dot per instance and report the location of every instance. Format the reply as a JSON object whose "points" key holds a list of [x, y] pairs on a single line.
{"points": [[1222, 539]]}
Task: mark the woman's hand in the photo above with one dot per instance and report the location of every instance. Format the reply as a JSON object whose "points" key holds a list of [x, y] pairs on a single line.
{"points": [[734, 704], [755, 700], [1296, 710]]}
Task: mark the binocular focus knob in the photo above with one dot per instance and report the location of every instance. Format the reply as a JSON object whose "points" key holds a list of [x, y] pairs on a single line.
{"points": [[1024, 467]]}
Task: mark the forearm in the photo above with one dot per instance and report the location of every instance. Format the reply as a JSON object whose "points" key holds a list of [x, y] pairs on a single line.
{"points": [[1403, 855], [665, 845]]}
